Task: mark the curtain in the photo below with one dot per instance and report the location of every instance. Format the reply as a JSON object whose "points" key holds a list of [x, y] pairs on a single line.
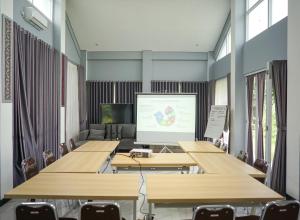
{"points": [[72, 103], [250, 82], [164, 87], [98, 92], [64, 70], [211, 93], [201, 89], [125, 91], [82, 97], [260, 108], [278, 71], [36, 101]]}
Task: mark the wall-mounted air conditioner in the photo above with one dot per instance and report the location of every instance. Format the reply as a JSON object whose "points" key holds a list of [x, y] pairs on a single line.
{"points": [[35, 18]]}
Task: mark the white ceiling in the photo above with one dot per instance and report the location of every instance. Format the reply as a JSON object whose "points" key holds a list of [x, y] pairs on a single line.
{"points": [[158, 25]]}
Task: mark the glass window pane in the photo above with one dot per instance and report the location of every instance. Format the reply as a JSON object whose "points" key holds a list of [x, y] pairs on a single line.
{"points": [[274, 127], [279, 10], [251, 3], [258, 19], [222, 52], [229, 42], [45, 6], [221, 92], [254, 119]]}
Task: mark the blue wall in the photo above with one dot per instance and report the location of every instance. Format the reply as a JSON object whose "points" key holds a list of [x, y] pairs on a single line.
{"points": [[269, 45], [46, 35], [72, 47]]}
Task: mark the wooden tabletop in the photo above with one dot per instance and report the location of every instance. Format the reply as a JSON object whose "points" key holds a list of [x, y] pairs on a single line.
{"points": [[98, 146], [78, 186], [78, 162], [157, 160], [199, 147], [207, 189], [224, 164]]}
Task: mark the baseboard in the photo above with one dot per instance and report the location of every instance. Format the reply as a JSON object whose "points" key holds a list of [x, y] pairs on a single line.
{"points": [[3, 201]]}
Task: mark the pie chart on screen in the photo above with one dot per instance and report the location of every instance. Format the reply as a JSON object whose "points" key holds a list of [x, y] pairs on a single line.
{"points": [[166, 117]]}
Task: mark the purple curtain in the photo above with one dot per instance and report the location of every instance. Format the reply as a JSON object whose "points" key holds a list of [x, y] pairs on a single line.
{"points": [[82, 97], [250, 82], [260, 108], [36, 101], [98, 92], [64, 70], [125, 91], [164, 87], [278, 71], [201, 89]]}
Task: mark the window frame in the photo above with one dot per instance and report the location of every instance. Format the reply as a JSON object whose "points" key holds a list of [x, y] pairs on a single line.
{"points": [[225, 44], [249, 10]]}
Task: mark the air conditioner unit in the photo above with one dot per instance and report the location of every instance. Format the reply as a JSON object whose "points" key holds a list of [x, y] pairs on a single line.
{"points": [[35, 18]]}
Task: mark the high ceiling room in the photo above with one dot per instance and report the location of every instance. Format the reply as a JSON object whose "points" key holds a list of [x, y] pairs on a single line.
{"points": [[138, 109]]}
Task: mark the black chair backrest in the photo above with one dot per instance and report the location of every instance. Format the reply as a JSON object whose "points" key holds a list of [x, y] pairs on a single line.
{"points": [[72, 144], [48, 157], [36, 211], [281, 210], [261, 165], [29, 168], [214, 213], [243, 156], [100, 211], [63, 149]]}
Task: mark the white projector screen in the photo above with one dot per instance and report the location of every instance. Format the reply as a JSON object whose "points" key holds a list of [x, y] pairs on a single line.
{"points": [[165, 119]]}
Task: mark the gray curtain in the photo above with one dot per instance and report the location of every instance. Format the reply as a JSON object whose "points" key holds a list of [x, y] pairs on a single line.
{"points": [[64, 70], [211, 93], [278, 71], [82, 97], [98, 92], [125, 91], [260, 108], [250, 82], [201, 89], [164, 86], [36, 101]]}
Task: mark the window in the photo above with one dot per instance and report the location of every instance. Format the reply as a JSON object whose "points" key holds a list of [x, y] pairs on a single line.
{"points": [[261, 14], [226, 46], [221, 92], [45, 6]]}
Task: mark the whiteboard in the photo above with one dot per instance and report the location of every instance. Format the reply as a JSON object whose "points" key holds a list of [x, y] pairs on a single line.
{"points": [[216, 121]]}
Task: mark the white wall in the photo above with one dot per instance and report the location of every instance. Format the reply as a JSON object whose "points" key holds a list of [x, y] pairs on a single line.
{"points": [[293, 104], [6, 148]]}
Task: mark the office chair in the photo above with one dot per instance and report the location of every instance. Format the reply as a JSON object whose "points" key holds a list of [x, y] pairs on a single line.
{"points": [[72, 144], [262, 166], [48, 157], [29, 168], [37, 211], [243, 156], [281, 210], [100, 211], [63, 149], [225, 212]]}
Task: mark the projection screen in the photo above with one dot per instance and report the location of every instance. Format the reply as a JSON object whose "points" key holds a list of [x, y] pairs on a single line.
{"points": [[165, 118]]}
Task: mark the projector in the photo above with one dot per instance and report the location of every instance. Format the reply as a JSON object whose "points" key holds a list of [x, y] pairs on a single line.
{"points": [[140, 153]]}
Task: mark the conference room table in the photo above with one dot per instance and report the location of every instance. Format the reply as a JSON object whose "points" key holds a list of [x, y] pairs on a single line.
{"points": [[212, 163], [98, 146], [187, 190], [157, 161], [199, 147], [78, 162], [79, 186]]}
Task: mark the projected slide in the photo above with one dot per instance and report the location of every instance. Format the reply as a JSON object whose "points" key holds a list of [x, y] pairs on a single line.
{"points": [[166, 117]]}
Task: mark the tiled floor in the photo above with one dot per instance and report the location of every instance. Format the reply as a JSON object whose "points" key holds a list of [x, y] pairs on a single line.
{"points": [[63, 208]]}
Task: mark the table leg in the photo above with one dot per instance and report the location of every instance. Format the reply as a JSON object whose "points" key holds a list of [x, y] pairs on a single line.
{"points": [[134, 210], [149, 217]]}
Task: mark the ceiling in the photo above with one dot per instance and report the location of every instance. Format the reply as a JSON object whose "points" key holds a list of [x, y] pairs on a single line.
{"points": [[158, 25]]}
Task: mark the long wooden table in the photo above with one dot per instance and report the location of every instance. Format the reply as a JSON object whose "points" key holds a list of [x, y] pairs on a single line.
{"points": [[199, 147], [212, 163], [192, 189], [157, 161], [78, 162], [98, 146], [79, 186]]}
